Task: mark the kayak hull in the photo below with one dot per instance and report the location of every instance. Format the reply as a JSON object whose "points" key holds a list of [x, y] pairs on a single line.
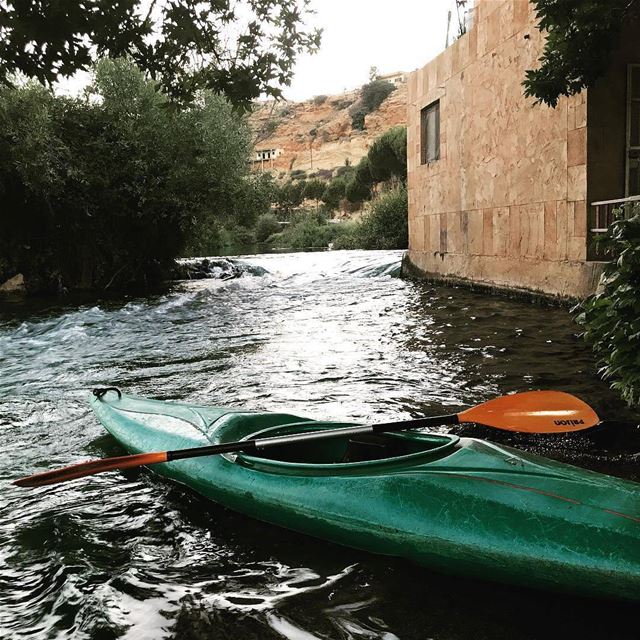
{"points": [[461, 506]]}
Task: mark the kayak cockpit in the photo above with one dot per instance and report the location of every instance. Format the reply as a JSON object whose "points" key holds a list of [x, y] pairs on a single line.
{"points": [[347, 450]]}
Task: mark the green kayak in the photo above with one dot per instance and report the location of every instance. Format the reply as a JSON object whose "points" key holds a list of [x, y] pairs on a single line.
{"points": [[457, 505]]}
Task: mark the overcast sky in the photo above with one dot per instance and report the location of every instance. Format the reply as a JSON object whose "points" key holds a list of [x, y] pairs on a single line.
{"points": [[357, 34], [393, 36]]}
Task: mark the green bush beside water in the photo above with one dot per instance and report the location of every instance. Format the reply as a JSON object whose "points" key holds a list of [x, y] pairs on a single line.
{"points": [[611, 317], [384, 226]]}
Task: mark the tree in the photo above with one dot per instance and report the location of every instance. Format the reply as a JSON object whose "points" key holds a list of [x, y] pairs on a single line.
{"points": [[581, 35], [388, 155], [108, 189], [334, 193], [314, 189], [242, 48], [359, 187]]}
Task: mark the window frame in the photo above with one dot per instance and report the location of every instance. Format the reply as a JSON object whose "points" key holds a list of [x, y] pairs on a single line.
{"points": [[427, 113]]}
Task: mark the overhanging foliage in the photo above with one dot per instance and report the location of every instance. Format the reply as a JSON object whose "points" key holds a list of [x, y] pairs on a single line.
{"points": [[581, 35], [242, 48]]}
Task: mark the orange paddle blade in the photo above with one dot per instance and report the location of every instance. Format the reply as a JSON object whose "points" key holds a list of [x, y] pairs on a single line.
{"points": [[88, 468], [534, 412]]}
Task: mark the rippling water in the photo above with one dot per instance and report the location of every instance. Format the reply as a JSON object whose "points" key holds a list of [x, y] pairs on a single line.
{"points": [[330, 335]]}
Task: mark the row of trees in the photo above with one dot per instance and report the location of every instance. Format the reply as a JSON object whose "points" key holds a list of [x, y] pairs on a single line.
{"points": [[380, 176], [386, 160]]}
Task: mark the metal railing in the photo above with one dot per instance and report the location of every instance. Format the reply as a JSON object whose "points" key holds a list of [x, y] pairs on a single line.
{"points": [[603, 212]]}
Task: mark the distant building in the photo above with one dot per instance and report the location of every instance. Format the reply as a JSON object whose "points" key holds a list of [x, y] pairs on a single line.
{"points": [[506, 192], [398, 77], [266, 155]]}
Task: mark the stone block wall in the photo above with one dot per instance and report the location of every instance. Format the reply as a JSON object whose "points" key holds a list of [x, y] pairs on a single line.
{"points": [[506, 203]]}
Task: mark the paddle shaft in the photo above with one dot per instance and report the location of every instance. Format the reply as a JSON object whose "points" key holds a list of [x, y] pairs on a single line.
{"points": [[92, 467], [257, 444], [529, 412]]}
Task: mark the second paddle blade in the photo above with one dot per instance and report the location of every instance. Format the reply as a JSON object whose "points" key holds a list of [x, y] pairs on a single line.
{"points": [[534, 412]]}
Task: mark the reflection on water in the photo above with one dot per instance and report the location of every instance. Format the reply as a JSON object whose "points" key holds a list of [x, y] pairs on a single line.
{"points": [[330, 335]]}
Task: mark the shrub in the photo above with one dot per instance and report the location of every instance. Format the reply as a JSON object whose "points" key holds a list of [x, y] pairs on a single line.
{"points": [[345, 170], [266, 226], [314, 189], [268, 127], [298, 174], [373, 94], [357, 113], [307, 231], [611, 317], [384, 226], [334, 192], [341, 103], [318, 100]]}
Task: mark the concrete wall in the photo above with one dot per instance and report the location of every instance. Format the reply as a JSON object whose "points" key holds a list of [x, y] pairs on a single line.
{"points": [[506, 203]]}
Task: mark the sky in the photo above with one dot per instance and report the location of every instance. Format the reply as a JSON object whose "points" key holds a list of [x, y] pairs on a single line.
{"points": [[402, 35]]}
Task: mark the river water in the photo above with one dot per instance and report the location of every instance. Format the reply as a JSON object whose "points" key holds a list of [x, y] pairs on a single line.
{"points": [[334, 335]]}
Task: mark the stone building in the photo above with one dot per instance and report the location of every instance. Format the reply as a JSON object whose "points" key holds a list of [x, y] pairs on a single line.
{"points": [[500, 188]]}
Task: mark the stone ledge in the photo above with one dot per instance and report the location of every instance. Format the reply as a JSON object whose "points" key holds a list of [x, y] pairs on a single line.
{"points": [[560, 283]]}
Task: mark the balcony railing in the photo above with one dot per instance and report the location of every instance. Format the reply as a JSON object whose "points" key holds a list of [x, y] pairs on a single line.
{"points": [[603, 212]]}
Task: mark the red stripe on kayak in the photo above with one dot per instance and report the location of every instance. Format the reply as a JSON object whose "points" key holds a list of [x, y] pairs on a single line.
{"points": [[540, 491], [515, 486], [622, 515]]}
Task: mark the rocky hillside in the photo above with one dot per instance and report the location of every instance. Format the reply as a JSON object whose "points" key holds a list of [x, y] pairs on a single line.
{"points": [[317, 134]]}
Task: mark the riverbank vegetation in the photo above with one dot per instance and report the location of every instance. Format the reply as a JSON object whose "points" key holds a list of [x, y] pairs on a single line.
{"points": [[299, 211], [107, 189], [611, 317]]}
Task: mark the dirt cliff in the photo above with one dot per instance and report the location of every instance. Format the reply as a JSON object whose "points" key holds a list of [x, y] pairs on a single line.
{"points": [[317, 134]]}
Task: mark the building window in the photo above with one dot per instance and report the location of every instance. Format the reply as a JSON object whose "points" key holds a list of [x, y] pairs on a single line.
{"points": [[430, 133]]}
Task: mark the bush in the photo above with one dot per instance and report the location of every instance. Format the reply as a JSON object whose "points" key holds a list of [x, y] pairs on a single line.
{"points": [[384, 226], [289, 195], [341, 103], [611, 317], [357, 113], [298, 174], [268, 128], [307, 231], [345, 170], [318, 100], [266, 226], [373, 94]]}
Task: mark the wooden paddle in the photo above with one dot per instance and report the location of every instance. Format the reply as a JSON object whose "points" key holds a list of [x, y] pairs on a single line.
{"points": [[529, 412]]}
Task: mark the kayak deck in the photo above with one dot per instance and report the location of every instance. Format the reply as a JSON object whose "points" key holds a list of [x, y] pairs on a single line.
{"points": [[461, 506]]}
